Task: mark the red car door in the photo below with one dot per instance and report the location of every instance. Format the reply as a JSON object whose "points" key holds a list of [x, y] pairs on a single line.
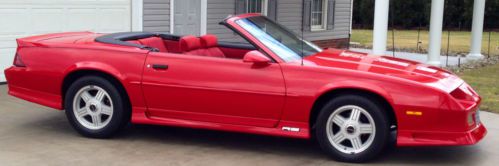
{"points": [[210, 89]]}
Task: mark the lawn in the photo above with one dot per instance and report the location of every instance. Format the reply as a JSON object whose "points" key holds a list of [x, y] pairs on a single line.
{"points": [[486, 82], [407, 39]]}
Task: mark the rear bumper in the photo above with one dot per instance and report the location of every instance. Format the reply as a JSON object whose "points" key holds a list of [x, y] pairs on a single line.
{"points": [[17, 83], [407, 138]]}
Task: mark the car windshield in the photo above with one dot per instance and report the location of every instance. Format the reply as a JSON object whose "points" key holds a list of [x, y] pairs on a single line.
{"points": [[277, 38]]}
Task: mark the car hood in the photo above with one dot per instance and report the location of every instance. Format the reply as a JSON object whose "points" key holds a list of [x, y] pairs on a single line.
{"points": [[387, 66]]}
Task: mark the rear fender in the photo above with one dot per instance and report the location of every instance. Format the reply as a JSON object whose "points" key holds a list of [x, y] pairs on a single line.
{"points": [[92, 66], [96, 66]]}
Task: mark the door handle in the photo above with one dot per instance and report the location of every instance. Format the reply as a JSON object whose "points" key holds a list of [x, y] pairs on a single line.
{"points": [[159, 67]]}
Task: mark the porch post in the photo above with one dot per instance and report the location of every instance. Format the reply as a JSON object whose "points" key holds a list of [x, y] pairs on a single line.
{"points": [[435, 43], [477, 30], [380, 28], [137, 15]]}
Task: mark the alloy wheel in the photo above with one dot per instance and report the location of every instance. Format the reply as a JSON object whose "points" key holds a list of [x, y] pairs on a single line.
{"points": [[350, 129], [93, 107]]}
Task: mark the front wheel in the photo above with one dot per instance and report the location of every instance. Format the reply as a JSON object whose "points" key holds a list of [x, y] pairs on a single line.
{"points": [[95, 108], [352, 128]]}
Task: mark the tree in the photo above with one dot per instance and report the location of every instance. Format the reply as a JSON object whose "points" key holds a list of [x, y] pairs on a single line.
{"points": [[410, 14]]}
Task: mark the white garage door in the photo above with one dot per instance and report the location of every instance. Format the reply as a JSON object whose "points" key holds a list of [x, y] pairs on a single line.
{"points": [[20, 18]]}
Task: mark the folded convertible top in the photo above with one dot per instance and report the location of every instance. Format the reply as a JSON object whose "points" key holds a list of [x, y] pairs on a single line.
{"points": [[121, 38]]}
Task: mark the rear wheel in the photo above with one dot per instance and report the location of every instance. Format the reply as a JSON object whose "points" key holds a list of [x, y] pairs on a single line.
{"points": [[352, 128], [95, 108]]}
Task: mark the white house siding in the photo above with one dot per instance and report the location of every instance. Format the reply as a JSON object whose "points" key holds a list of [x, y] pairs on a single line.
{"points": [[217, 10], [341, 23], [290, 15], [156, 16]]}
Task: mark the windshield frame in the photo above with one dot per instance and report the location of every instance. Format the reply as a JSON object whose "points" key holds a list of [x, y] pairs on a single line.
{"points": [[232, 24]]}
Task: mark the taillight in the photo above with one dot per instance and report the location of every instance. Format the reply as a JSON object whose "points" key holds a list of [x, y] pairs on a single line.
{"points": [[18, 62]]}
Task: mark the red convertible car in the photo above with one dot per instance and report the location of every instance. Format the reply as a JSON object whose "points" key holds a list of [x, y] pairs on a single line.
{"points": [[277, 84]]}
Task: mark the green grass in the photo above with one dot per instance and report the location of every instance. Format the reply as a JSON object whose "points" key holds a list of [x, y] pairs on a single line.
{"points": [[486, 82], [407, 39]]}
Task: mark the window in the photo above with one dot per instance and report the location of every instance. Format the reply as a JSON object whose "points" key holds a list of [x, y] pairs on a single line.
{"points": [[256, 6], [318, 15]]}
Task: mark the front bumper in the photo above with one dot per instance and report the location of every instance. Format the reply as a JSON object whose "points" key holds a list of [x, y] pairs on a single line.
{"points": [[473, 136]]}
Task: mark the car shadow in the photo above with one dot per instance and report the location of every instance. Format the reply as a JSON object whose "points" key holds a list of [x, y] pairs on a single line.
{"points": [[294, 147], [237, 142]]}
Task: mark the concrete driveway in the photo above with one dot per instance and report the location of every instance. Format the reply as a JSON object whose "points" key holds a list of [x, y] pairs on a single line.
{"points": [[36, 135]]}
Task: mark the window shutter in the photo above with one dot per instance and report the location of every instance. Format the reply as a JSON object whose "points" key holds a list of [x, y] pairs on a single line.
{"points": [[330, 14], [272, 9], [240, 7], [307, 11]]}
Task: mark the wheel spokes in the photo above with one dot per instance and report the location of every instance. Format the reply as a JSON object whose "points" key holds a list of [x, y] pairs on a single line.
{"points": [[351, 129], [338, 120], [339, 137], [106, 110], [366, 129], [355, 114], [96, 120], [100, 95], [82, 112], [356, 143], [86, 97], [93, 107]]}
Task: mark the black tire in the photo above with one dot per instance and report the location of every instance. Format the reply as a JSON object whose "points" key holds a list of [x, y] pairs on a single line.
{"points": [[375, 110], [120, 112]]}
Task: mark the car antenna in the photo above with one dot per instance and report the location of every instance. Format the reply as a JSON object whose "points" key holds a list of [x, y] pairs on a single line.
{"points": [[302, 51], [302, 38]]}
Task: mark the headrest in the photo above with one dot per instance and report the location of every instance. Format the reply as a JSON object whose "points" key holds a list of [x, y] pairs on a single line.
{"points": [[209, 40], [188, 43]]}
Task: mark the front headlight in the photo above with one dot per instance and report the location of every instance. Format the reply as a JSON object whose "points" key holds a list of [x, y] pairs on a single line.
{"points": [[464, 92], [465, 96]]}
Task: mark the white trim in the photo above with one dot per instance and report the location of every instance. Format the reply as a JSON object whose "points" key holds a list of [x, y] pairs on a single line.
{"points": [[435, 35], [351, 15], [172, 16], [137, 7], [380, 26], [477, 30], [324, 18], [204, 17], [265, 6]]}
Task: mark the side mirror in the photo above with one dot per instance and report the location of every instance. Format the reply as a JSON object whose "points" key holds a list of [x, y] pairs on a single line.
{"points": [[256, 57]]}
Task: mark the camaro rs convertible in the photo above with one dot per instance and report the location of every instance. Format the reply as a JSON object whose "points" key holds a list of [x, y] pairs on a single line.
{"points": [[275, 83]]}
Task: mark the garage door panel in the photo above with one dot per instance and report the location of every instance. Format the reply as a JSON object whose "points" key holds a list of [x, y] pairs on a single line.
{"points": [[14, 21], [108, 21], [47, 20], [6, 60], [82, 19], [7, 42], [57, 2], [21, 18]]}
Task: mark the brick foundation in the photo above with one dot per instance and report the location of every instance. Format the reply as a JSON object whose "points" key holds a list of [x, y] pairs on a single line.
{"points": [[332, 43]]}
